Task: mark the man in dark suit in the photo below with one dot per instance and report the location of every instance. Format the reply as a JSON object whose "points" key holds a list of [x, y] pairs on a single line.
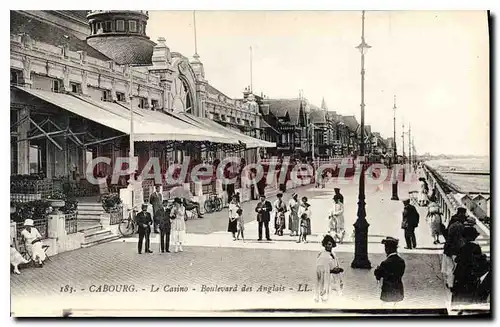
{"points": [[391, 271], [156, 199], [410, 222], [144, 222], [263, 211], [162, 219]]}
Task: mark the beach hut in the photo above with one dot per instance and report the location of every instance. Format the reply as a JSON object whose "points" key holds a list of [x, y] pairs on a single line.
{"points": [[480, 206]]}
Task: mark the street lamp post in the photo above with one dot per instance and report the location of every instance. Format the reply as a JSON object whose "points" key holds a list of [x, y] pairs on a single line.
{"points": [[312, 131], [131, 137], [403, 147], [409, 144], [361, 225], [394, 159]]}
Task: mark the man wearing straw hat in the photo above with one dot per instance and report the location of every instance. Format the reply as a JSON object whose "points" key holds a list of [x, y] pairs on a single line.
{"points": [[391, 271]]}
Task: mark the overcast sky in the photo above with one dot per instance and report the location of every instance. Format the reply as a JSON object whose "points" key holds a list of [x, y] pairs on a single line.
{"points": [[437, 63]]}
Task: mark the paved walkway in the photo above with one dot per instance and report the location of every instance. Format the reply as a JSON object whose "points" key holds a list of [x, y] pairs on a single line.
{"points": [[383, 214], [277, 272]]}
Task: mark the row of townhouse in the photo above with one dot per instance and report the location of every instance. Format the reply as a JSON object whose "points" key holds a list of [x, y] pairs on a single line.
{"points": [[293, 123]]}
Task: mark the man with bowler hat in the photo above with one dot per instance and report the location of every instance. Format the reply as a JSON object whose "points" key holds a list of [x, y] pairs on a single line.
{"points": [[144, 222], [162, 218], [391, 271], [409, 223]]}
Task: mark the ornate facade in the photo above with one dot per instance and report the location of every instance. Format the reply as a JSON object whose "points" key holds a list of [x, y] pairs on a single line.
{"points": [[94, 56]]}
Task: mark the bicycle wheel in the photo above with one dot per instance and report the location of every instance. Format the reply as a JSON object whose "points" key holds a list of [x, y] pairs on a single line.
{"points": [[208, 206], [218, 204], [126, 227], [194, 214]]}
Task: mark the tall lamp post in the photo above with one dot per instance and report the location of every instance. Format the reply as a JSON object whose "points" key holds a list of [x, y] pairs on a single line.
{"points": [[409, 144], [361, 225], [394, 160], [131, 137], [403, 147]]}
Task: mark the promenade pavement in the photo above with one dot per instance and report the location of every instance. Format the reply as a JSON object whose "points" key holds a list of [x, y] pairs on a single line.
{"points": [[277, 271]]}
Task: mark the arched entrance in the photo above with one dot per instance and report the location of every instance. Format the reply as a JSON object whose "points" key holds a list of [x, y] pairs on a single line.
{"points": [[181, 96], [183, 89]]}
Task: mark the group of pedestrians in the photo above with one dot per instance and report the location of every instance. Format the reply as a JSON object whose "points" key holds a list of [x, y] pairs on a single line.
{"points": [[299, 217], [169, 219], [299, 220], [466, 269]]}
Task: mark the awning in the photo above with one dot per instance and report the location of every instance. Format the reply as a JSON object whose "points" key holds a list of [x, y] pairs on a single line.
{"points": [[161, 127], [250, 142]]}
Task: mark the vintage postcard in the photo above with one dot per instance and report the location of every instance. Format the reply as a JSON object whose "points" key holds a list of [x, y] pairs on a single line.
{"points": [[249, 163]]}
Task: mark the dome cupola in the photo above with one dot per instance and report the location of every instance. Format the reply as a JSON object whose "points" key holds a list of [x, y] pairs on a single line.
{"points": [[121, 35]]}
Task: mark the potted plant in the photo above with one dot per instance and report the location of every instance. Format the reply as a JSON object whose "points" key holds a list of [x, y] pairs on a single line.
{"points": [[111, 202], [57, 200]]}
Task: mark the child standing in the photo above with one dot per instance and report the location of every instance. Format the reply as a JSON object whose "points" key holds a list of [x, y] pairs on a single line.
{"points": [[305, 220], [241, 225], [304, 228]]}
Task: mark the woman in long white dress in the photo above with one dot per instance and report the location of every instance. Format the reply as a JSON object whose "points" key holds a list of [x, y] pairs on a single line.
{"points": [[336, 221], [423, 194], [33, 241], [325, 265], [434, 220], [178, 216]]}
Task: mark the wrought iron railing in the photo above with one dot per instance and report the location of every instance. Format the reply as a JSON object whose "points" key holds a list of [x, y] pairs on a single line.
{"points": [[71, 222], [115, 217]]}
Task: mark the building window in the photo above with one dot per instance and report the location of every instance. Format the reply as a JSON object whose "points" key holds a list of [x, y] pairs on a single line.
{"points": [[108, 27], [57, 86], [106, 96], [35, 161], [132, 26], [223, 117], [120, 96], [16, 76], [143, 103], [76, 88], [155, 104], [120, 26]]}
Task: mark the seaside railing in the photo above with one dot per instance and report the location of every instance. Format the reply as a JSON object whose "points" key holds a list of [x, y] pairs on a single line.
{"points": [[447, 203]]}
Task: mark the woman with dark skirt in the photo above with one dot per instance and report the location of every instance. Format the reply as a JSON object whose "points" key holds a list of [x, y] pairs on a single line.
{"points": [[467, 273], [232, 226]]}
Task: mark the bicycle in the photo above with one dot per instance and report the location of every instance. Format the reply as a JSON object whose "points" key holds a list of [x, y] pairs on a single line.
{"points": [[127, 226], [213, 203]]}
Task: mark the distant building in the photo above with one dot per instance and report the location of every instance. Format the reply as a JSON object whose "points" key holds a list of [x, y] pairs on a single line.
{"points": [[480, 208]]}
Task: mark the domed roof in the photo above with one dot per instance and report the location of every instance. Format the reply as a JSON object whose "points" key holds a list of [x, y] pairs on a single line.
{"points": [[124, 49], [121, 35]]}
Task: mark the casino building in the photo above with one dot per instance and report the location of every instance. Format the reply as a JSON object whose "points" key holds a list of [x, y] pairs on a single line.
{"points": [[74, 77]]}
